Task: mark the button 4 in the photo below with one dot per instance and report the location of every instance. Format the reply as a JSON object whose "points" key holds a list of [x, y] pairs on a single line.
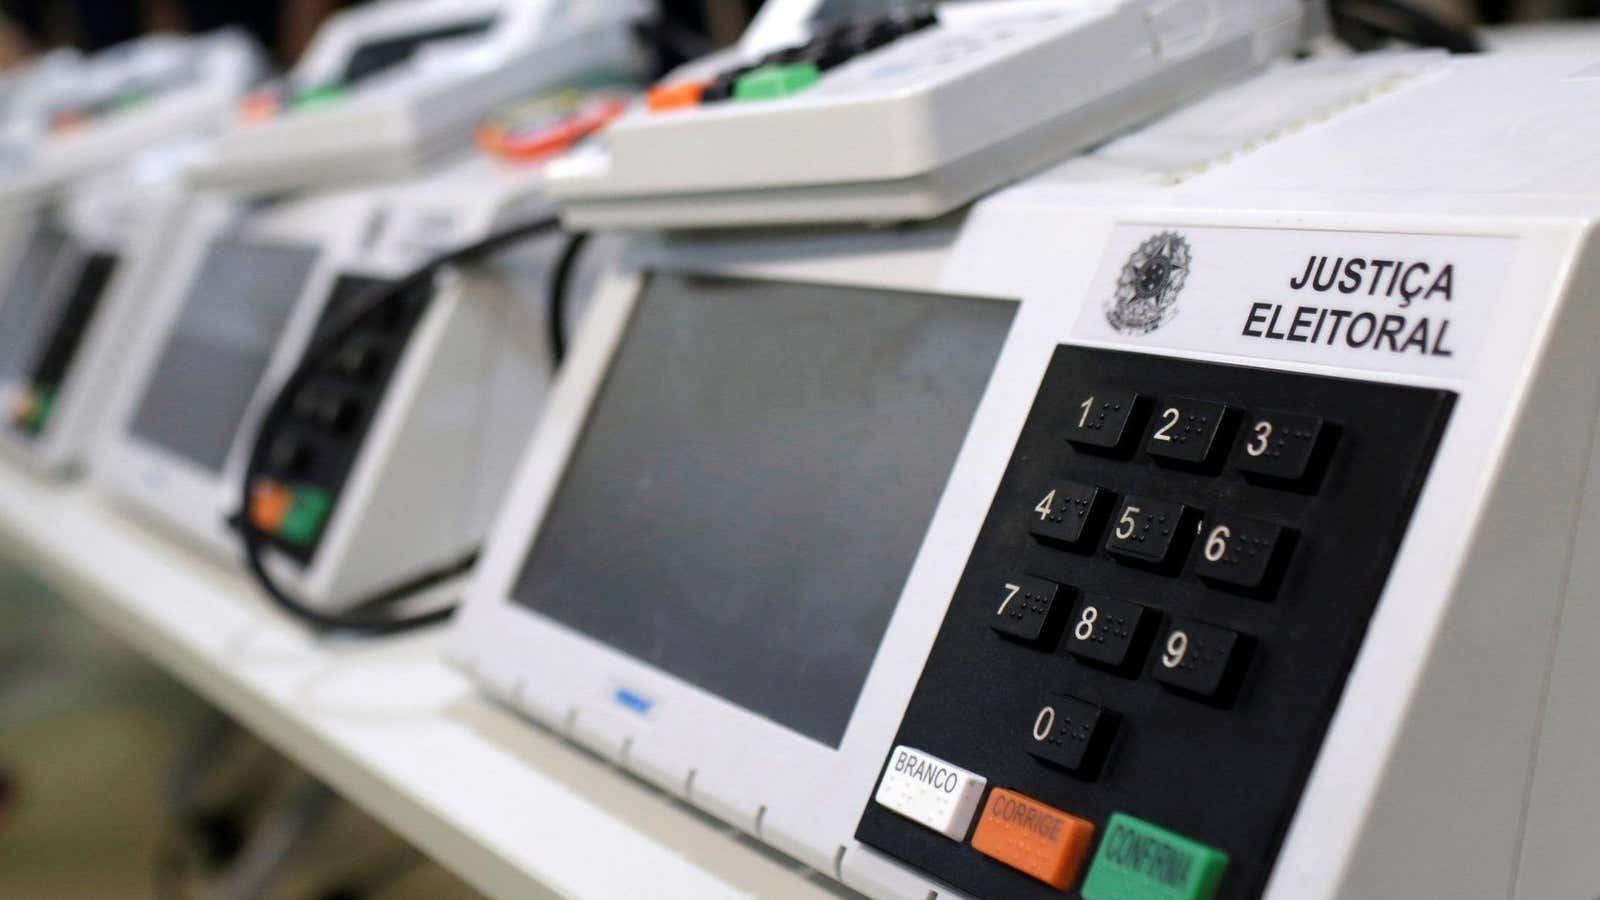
{"points": [[1068, 513], [1107, 631], [1033, 838], [929, 791], [1072, 734], [1147, 530], [1279, 446], [1238, 551], [1186, 431], [1030, 609], [1201, 659], [1104, 420]]}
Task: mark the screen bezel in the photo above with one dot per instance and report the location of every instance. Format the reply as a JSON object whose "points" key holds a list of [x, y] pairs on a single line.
{"points": [[572, 681]]}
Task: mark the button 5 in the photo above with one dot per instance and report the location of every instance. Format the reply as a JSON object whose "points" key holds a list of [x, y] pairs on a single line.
{"points": [[1186, 432], [929, 791], [1068, 513], [1238, 551], [1148, 530], [1071, 733], [1030, 609], [1033, 838]]}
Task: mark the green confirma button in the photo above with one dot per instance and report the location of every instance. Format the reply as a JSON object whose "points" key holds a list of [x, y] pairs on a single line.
{"points": [[1139, 861], [305, 518], [772, 82], [319, 96]]}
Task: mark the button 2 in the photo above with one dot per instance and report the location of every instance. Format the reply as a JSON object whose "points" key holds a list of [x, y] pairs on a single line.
{"points": [[1146, 529], [1071, 733], [1103, 420], [1278, 446], [929, 791], [1067, 512], [1200, 659], [1029, 609], [1107, 631], [1186, 431], [1237, 551]]}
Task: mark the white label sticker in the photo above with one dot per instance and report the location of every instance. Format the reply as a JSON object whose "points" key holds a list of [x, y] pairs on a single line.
{"points": [[1393, 302], [931, 792]]}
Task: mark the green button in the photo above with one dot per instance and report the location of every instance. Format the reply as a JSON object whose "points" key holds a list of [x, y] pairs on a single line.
{"points": [[772, 82], [304, 520], [320, 95], [1138, 861], [44, 403]]}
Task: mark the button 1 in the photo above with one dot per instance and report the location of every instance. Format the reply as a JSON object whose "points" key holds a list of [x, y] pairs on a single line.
{"points": [[1200, 659], [1072, 734], [1030, 609], [1278, 446], [1238, 551], [1033, 838], [1147, 530], [1107, 631], [1068, 513], [1104, 420], [774, 82], [1186, 431], [1140, 860], [929, 791]]}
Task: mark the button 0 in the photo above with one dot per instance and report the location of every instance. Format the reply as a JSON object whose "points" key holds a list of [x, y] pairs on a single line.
{"points": [[1068, 513], [1200, 659], [1071, 733], [1140, 861], [929, 791], [1104, 419], [1033, 838], [1107, 631], [1030, 609], [1278, 446], [1146, 529], [1238, 551], [1187, 432]]}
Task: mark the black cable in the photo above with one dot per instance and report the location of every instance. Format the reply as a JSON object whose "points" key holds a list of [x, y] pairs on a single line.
{"points": [[364, 618], [557, 322], [1368, 24]]}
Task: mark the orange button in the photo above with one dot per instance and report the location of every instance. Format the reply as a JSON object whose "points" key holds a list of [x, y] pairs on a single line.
{"points": [[676, 95], [270, 502], [24, 406], [1031, 837], [260, 106]]}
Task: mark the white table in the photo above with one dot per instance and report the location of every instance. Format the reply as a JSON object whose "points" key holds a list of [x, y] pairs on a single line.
{"points": [[511, 808]]}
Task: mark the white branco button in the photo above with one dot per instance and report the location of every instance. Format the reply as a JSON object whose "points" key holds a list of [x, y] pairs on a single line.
{"points": [[929, 791]]}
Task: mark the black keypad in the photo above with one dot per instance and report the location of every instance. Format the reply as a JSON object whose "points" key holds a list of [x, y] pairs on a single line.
{"points": [[1070, 733], [1278, 446], [1105, 419], [1216, 746], [1068, 513], [1107, 631], [1148, 530], [1185, 431], [1029, 609], [1200, 659], [1237, 550], [288, 456]]}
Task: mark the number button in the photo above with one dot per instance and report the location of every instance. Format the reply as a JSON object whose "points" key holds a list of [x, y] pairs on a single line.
{"points": [[1103, 420], [1238, 551], [1028, 609], [1107, 631], [1147, 530], [1072, 734], [1067, 512], [1200, 659], [1186, 431], [1278, 446]]}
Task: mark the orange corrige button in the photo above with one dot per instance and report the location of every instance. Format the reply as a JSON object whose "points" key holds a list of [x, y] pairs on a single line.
{"points": [[270, 503], [676, 95], [1033, 838]]}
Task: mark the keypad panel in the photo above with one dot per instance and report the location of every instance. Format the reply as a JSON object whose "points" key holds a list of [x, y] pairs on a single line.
{"points": [[1212, 614], [54, 358], [313, 454]]}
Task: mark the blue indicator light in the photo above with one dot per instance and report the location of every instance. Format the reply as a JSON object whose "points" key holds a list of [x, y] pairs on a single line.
{"points": [[635, 702]]}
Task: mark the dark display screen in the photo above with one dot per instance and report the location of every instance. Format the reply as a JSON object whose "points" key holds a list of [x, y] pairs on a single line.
{"points": [[24, 301], [219, 347], [755, 479], [378, 56]]}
